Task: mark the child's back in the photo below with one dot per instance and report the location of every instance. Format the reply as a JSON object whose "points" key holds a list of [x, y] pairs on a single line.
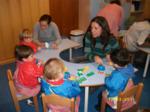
{"points": [[27, 71], [55, 83], [118, 79]]}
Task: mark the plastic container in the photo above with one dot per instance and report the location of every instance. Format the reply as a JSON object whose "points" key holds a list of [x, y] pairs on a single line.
{"points": [[77, 36]]}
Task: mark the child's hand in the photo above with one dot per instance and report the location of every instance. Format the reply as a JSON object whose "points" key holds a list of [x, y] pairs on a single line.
{"points": [[108, 58], [42, 45], [39, 48], [40, 62], [98, 60]]}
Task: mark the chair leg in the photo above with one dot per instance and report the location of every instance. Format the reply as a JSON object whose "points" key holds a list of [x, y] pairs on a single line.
{"points": [[35, 100], [16, 102], [103, 104]]}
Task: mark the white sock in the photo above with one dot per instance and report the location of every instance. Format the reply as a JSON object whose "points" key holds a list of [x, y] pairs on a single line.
{"points": [[29, 101]]}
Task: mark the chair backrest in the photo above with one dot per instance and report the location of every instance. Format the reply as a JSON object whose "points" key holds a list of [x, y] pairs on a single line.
{"points": [[132, 93], [17, 98], [57, 100]]}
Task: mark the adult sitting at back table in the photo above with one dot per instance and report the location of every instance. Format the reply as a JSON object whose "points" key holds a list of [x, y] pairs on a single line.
{"points": [[98, 41], [113, 13], [46, 31], [137, 35]]}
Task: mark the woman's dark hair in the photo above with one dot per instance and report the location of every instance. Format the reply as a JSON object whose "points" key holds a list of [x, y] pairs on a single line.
{"points": [[115, 2], [23, 51], [46, 18], [120, 57], [106, 35]]}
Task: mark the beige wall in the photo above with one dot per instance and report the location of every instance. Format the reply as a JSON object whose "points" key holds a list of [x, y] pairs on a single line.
{"points": [[14, 16]]}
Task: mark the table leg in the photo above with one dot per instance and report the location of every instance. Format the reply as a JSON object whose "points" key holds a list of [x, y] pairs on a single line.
{"points": [[70, 54], [146, 66], [86, 99]]}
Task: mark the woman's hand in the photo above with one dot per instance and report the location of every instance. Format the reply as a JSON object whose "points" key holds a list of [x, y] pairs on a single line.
{"points": [[39, 48], [109, 60], [54, 46], [98, 60]]}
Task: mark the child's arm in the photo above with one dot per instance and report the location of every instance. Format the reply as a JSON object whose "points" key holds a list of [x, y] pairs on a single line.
{"points": [[74, 90], [35, 70]]}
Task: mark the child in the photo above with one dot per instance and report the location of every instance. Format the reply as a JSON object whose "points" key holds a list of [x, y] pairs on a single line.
{"points": [[27, 71], [55, 83], [26, 39], [118, 79]]}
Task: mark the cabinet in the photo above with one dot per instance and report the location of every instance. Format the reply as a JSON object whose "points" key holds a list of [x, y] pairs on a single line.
{"points": [[65, 14], [140, 9]]}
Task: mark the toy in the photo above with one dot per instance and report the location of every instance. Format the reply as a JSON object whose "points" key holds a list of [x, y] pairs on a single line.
{"points": [[80, 80], [101, 69], [72, 77], [66, 75], [90, 74], [66, 69], [86, 68], [47, 45], [79, 73]]}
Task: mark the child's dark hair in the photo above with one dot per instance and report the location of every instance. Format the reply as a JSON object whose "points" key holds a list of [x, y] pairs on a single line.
{"points": [[23, 51], [120, 57], [46, 18]]}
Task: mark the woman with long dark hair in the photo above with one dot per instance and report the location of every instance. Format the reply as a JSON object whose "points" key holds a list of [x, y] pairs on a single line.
{"points": [[98, 41]]}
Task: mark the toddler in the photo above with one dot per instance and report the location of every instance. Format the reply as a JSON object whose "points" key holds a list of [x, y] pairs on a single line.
{"points": [[26, 39], [27, 71], [55, 83]]}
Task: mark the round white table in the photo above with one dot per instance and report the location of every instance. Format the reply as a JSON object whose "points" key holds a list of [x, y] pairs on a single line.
{"points": [[94, 80]]}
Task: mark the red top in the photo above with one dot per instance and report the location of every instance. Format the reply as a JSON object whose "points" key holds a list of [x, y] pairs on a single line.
{"points": [[28, 73]]}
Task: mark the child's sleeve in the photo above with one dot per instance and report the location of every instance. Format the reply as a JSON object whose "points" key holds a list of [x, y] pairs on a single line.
{"points": [[114, 81], [74, 89], [38, 70], [46, 88]]}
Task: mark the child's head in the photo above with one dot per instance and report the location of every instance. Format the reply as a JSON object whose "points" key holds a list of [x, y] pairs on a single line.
{"points": [[54, 69], [120, 57], [23, 52], [26, 35]]}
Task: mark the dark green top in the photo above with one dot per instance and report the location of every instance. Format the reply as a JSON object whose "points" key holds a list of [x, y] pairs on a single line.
{"points": [[91, 50]]}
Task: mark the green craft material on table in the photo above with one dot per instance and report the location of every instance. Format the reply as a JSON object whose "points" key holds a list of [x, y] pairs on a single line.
{"points": [[80, 80], [90, 74], [81, 69], [79, 73]]}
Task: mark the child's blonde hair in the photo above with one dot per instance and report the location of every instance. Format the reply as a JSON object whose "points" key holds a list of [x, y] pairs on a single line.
{"points": [[26, 33], [53, 67]]}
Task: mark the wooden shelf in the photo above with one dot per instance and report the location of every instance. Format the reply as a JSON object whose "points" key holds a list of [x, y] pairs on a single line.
{"points": [[137, 12]]}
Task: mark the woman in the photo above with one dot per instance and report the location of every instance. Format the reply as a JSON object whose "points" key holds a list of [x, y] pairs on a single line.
{"points": [[113, 13], [99, 42], [46, 31]]}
